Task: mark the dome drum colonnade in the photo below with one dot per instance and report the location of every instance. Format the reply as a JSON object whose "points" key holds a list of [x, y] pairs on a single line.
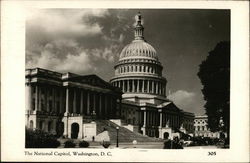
{"points": [[138, 70]]}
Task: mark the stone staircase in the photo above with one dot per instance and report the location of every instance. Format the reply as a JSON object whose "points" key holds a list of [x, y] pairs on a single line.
{"points": [[124, 134]]}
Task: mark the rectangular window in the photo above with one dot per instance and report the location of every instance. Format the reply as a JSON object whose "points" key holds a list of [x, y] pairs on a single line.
{"points": [[42, 104], [33, 104], [42, 91], [33, 89], [58, 106], [50, 105]]}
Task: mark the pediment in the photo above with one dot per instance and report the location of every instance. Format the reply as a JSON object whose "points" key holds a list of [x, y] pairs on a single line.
{"points": [[171, 107], [93, 80]]}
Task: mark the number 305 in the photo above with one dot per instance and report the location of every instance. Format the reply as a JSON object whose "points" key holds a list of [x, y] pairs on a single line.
{"points": [[211, 153]]}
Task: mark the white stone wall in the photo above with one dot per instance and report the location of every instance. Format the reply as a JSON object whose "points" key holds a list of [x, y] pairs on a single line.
{"points": [[89, 131]]}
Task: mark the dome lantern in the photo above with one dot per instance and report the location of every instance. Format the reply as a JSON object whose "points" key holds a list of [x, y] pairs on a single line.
{"points": [[138, 48], [138, 27]]}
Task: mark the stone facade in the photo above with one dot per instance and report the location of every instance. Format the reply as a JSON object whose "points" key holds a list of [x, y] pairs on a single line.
{"points": [[56, 102], [201, 127]]}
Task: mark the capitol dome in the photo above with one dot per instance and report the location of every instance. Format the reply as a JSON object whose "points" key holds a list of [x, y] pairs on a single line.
{"points": [[138, 48], [138, 71]]}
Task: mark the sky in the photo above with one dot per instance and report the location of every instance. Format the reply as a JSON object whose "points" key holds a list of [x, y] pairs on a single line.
{"points": [[89, 41]]}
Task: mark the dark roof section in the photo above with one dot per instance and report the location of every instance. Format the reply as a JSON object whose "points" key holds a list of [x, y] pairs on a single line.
{"points": [[93, 80]]}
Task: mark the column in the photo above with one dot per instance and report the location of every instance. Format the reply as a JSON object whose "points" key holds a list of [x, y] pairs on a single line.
{"points": [[160, 88], [47, 99], [67, 101], [155, 119], [119, 84], [111, 107], [37, 98], [88, 103], [74, 101], [142, 85], [106, 106], [157, 87], [123, 86], [100, 105], [94, 101], [148, 87], [120, 108], [28, 92], [54, 100], [61, 100], [133, 85], [153, 86], [150, 118], [128, 86], [81, 102], [145, 118], [138, 85]]}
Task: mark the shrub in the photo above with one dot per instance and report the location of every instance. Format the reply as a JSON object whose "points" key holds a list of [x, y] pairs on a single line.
{"points": [[40, 139], [69, 144], [106, 144], [84, 144]]}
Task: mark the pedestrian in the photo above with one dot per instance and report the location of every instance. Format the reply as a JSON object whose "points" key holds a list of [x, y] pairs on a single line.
{"points": [[176, 143], [167, 142]]}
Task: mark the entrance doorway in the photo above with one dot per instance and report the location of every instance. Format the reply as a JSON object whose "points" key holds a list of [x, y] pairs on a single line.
{"points": [[166, 135], [74, 130], [59, 129]]}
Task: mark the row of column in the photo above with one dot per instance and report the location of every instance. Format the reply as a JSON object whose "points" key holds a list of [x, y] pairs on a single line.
{"points": [[201, 128], [140, 85], [78, 101], [172, 120], [44, 98], [90, 102], [152, 118], [138, 68]]}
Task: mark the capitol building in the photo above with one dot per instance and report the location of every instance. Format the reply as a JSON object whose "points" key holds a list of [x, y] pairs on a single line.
{"points": [[135, 99]]}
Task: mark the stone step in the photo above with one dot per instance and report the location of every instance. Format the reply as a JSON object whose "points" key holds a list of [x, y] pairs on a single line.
{"points": [[124, 134]]}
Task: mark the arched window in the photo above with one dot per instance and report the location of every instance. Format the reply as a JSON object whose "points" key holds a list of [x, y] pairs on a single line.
{"points": [[50, 126], [41, 125], [31, 124]]}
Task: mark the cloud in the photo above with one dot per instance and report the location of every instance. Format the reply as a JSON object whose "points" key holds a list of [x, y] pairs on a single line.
{"points": [[183, 99], [68, 40], [77, 63], [58, 23]]}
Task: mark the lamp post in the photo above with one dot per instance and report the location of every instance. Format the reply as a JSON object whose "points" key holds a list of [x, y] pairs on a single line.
{"points": [[117, 140], [93, 115]]}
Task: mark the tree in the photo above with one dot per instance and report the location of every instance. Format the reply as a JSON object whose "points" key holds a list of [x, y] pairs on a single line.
{"points": [[40, 139], [214, 74]]}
